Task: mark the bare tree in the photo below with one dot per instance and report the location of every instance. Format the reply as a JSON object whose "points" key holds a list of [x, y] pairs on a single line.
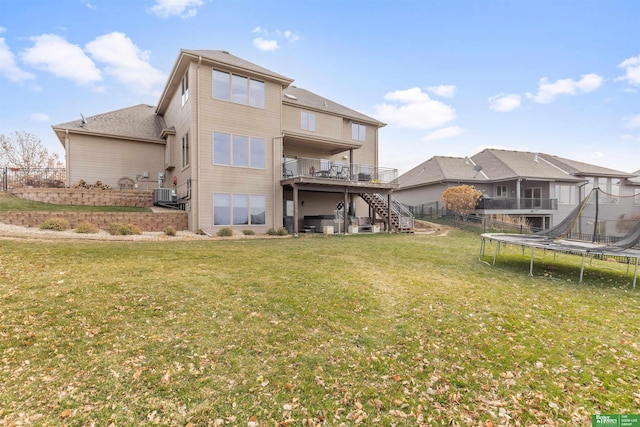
{"points": [[25, 150]]}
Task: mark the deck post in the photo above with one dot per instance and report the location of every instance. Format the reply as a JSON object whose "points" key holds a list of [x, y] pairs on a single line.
{"points": [[295, 210], [389, 212]]}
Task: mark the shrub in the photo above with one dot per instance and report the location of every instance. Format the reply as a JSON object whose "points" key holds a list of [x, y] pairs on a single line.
{"points": [[224, 232], [277, 232], [169, 230], [123, 229], [86, 228], [112, 228], [129, 229], [248, 232], [56, 224]]}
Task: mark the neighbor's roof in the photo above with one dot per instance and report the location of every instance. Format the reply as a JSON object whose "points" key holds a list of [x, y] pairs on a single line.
{"points": [[303, 98], [139, 122], [442, 169], [583, 169], [501, 165]]}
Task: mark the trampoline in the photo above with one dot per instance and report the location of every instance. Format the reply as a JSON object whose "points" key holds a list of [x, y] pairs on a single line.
{"points": [[601, 226]]}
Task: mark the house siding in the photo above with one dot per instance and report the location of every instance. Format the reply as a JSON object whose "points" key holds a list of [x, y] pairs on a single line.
{"points": [[109, 159]]}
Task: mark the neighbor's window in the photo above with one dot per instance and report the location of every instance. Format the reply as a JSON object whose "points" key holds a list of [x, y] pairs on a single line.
{"points": [[358, 132], [185, 150], [566, 194], [238, 89], [307, 121], [185, 87], [238, 209], [636, 198], [238, 150], [501, 191]]}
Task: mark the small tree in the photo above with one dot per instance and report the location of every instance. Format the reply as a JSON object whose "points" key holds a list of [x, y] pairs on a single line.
{"points": [[461, 199], [25, 150]]}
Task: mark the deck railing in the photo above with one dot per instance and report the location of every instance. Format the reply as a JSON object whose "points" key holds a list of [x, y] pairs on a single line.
{"points": [[513, 203], [332, 169]]}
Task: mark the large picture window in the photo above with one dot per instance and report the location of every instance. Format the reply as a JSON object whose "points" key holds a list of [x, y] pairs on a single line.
{"points": [[238, 89], [238, 209], [238, 150]]}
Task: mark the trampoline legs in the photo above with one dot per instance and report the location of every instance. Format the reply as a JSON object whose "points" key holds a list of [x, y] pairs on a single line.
{"points": [[531, 264], [582, 268], [635, 273]]}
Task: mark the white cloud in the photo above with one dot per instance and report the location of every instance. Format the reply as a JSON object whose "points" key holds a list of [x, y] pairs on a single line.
{"points": [[8, 66], [547, 92], [632, 69], [125, 61], [40, 117], [503, 103], [269, 38], [446, 91], [291, 36], [629, 137], [443, 133], [54, 54], [265, 45], [181, 8], [89, 4], [633, 122], [413, 109]]}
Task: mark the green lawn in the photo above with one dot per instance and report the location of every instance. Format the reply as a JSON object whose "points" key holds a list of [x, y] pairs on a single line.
{"points": [[11, 203], [367, 329]]}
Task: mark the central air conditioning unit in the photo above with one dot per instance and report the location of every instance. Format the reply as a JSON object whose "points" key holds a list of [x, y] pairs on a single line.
{"points": [[164, 195]]}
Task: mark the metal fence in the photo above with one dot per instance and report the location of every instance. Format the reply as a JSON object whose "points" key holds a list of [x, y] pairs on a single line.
{"points": [[14, 178]]}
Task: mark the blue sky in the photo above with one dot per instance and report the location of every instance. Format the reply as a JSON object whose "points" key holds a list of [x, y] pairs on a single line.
{"points": [[449, 77]]}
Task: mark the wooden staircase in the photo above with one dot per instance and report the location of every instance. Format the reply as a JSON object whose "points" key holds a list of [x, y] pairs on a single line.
{"points": [[401, 218]]}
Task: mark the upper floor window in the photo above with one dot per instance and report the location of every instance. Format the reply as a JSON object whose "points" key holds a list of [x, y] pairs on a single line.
{"points": [[238, 89], [358, 132], [636, 199], [185, 150], [185, 87], [566, 194], [501, 191], [238, 150], [307, 121]]}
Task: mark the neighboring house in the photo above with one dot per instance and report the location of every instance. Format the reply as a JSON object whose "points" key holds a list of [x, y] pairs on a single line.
{"points": [[241, 147], [540, 187]]}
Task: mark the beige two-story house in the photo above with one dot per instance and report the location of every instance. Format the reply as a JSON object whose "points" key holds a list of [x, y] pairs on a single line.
{"points": [[236, 145]]}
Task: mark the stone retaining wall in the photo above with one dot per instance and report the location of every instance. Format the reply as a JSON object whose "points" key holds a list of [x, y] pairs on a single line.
{"points": [[85, 197], [147, 221]]}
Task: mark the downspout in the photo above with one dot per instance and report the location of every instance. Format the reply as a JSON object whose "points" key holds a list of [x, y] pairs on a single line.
{"points": [[197, 138]]}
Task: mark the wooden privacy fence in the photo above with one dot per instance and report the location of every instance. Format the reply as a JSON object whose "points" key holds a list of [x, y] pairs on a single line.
{"points": [[13, 178]]}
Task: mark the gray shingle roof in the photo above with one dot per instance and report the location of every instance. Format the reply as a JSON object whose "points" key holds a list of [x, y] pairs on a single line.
{"points": [[441, 169], [224, 57], [137, 122], [582, 169], [307, 99], [502, 165]]}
